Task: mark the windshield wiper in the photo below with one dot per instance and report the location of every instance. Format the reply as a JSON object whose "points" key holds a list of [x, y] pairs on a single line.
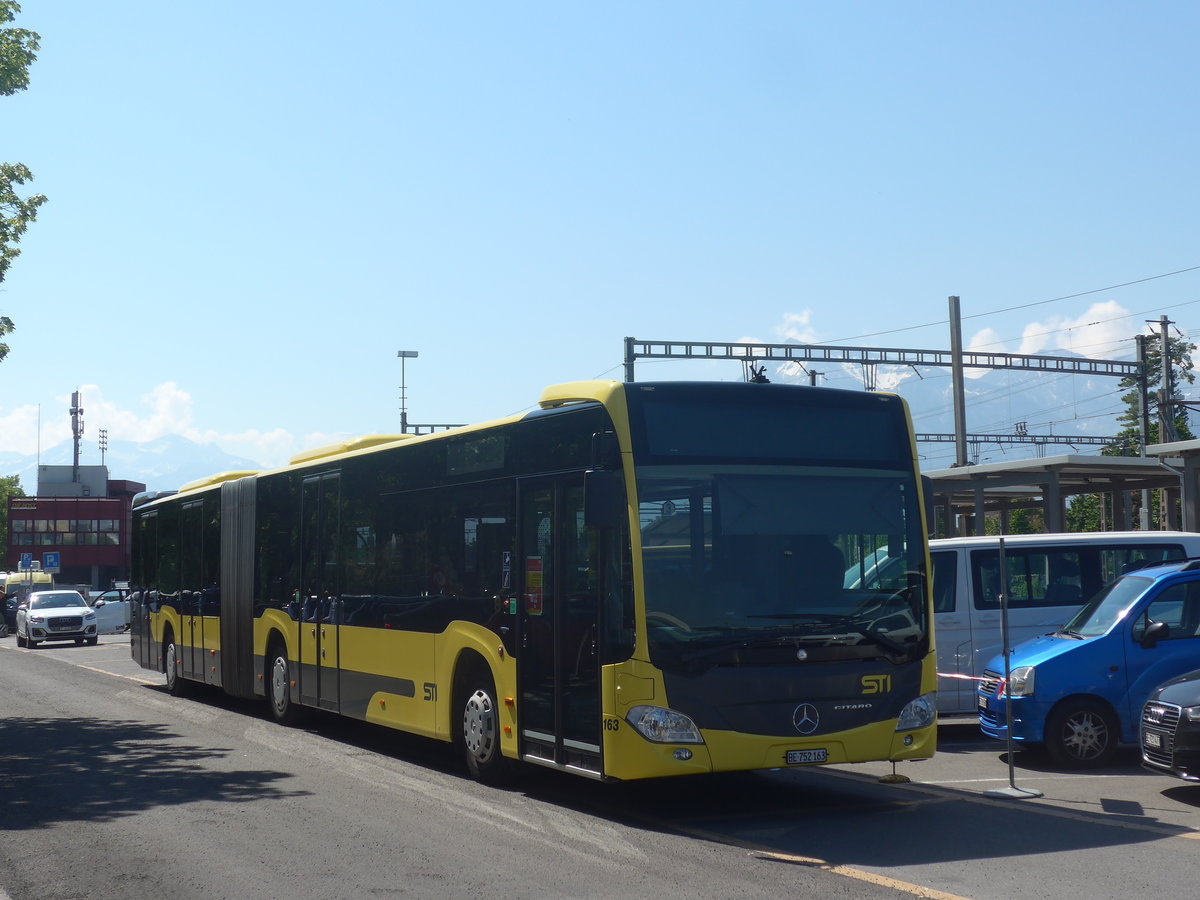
{"points": [[882, 640], [1071, 634], [705, 653], [823, 618], [846, 622]]}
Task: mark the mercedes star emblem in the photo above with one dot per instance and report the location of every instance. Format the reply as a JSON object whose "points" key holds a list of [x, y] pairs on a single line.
{"points": [[806, 718]]}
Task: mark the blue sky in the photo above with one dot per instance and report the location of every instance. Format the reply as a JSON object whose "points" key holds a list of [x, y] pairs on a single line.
{"points": [[253, 206]]}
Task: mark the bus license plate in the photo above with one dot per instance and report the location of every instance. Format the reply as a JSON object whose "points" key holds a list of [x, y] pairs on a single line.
{"points": [[983, 703], [1153, 740], [800, 757]]}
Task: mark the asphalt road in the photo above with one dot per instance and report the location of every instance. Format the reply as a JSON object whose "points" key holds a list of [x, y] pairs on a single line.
{"points": [[112, 788]]}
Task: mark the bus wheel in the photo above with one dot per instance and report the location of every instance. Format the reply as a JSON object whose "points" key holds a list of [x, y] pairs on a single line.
{"points": [[1081, 734], [478, 729], [279, 687], [175, 684]]}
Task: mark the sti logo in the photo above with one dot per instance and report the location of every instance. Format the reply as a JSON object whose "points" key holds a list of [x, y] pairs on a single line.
{"points": [[876, 684]]}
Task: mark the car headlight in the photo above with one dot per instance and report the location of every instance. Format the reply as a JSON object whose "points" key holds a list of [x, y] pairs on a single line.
{"points": [[37, 620], [663, 726], [1192, 713], [1020, 681], [919, 713], [89, 617]]}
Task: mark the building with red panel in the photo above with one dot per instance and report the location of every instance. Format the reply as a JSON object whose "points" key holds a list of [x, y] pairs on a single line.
{"points": [[81, 514]]}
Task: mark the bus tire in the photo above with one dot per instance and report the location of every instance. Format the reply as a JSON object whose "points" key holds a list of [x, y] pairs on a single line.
{"points": [[284, 710], [477, 725], [175, 682], [1081, 734]]}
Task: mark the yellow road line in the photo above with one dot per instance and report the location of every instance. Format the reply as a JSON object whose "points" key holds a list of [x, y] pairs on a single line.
{"points": [[132, 678], [859, 875]]}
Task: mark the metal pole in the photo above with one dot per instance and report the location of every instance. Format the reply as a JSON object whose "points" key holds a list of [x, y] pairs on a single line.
{"points": [[1143, 424], [629, 359], [959, 386], [404, 354], [1012, 790], [1167, 424]]}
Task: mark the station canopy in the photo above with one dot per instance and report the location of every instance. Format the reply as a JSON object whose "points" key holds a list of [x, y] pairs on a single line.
{"points": [[1046, 483]]}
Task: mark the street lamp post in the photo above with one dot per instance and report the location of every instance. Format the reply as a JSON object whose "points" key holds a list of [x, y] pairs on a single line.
{"points": [[404, 354]]}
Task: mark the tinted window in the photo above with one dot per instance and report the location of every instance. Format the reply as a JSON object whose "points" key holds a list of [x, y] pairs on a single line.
{"points": [[945, 580], [1116, 561], [739, 422], [1037, 576]]}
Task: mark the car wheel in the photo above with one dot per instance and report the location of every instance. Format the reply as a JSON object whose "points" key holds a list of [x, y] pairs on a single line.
{"points": [[279, 688], [30, 642], [92, 641], [1081, 734], [478, 729], [20, 640], [78, 642]]}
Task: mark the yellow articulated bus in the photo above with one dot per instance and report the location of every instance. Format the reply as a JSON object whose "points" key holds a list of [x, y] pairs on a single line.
{"points": [[633, 581]]}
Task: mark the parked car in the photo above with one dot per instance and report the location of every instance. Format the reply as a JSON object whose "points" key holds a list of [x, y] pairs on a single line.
{"points": [[112, 610], [1171, 728], [10, 613], [1050, 576], [55, 616], [15, 587], [1079, 692]]}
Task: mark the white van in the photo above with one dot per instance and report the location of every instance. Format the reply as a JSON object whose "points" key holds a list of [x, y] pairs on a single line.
{"points": [[1049, 577]]}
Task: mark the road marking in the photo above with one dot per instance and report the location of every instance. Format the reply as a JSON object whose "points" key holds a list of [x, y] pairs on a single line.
{"points": [[858, 874], [134, 678]]}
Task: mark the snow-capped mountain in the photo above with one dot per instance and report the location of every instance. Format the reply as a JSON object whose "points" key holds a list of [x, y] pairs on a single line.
{"points": [[162, 465]]}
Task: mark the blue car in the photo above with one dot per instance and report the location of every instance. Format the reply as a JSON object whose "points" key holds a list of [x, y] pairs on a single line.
{"points": [[1079, 692]]}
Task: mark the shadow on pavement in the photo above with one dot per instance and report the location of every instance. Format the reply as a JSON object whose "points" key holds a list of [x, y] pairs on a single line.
{"points": [[57, 770]]}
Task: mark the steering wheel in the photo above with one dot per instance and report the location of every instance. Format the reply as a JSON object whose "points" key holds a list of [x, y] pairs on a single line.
{"points": [[668, 619]]}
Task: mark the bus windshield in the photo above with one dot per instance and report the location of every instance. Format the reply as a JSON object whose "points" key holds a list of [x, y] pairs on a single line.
{"points": [[744, 557]]}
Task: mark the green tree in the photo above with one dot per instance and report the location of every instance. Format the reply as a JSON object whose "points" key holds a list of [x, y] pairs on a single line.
{"points": [[1179, 352], [1180, 355], [18, 50], [10, 486], [1083, 513]]}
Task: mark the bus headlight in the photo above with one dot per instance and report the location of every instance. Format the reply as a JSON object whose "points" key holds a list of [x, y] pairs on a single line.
{"points": [[919, 713], [663, 726], [1020, 681]]}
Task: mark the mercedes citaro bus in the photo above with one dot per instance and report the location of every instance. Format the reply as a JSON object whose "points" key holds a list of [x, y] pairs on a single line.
{"points": [[631, 581]]}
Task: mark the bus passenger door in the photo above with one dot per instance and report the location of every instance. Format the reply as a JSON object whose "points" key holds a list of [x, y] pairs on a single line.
{"points": [[319, 590], [190, 620], [145, 581], [558, 666]]}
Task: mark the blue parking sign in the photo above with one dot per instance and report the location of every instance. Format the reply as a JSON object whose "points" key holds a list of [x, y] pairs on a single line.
{"points": [[50, 562], [26, 562]]}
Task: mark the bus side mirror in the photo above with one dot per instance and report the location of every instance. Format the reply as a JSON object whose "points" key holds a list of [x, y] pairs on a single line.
{"points": [[1155, 632], [601, 493], [606, 451]]}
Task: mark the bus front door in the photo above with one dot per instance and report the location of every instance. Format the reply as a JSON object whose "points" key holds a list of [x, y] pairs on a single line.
{"points": [[558, 666], [319, 590], [142, 599]]}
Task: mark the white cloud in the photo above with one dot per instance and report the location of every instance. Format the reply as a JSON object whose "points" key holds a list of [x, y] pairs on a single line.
{"points": [[797, 327], [165, 410], [1097, 333]]}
